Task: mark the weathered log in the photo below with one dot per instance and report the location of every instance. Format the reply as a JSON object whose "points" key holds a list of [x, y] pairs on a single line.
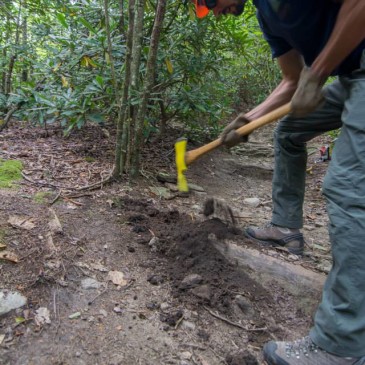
{"points": [[304, 284]]}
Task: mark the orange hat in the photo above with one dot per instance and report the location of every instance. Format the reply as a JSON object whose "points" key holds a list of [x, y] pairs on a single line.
{"points": [[200, 9]]}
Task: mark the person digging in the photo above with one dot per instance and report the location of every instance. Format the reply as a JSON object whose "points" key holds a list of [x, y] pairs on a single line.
{"points": [[312, 40]]}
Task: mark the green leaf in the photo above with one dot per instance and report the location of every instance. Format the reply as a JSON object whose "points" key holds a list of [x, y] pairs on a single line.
{"points": [[99, 80], [62, 19], [87, 25], [96, 118], [19, 320]]}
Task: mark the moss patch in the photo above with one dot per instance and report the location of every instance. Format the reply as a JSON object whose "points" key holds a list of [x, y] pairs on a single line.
{"points": [[10, 171], [42, 197]]}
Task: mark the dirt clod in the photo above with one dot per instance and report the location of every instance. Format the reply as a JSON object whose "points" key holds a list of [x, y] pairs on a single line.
{"points": [[241, 358]]}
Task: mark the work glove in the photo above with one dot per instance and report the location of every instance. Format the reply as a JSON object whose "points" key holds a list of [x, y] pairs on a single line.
{"points": [[309, 94], [230, 137]]}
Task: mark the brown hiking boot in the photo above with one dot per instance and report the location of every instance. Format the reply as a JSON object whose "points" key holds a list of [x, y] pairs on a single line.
{"points": [[304, 352], [276, 236]]}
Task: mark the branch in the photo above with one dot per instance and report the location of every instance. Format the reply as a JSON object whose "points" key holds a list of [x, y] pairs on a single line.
{"points": [[234, 323]]}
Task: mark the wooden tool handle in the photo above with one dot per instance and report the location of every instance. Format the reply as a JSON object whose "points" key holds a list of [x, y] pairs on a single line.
{"points": [[276, 114]]}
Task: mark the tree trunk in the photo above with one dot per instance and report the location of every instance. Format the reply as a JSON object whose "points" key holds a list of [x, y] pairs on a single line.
{"points": [[110, 49], [13, 57], [123, 118], [135, 66], [148, 85], [121, 18], [24, 43]]}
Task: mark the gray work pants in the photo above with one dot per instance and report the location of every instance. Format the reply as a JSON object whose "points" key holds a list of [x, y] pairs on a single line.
{"points": [[339, 326]]}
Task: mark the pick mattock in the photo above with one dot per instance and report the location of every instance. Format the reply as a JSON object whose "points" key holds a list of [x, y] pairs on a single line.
{"points": [[184, 159]]}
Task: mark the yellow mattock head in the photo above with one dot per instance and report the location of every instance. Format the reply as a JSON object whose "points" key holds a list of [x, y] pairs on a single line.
{"points": [[180, 150]]}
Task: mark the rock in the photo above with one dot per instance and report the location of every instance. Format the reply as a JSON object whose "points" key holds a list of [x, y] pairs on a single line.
{"points": [[188, 325], [164, 306], [118, 310], [155, 279], [172, 318], [143, 240], [164, 177], [172, 187], [191, 281], [243, 304], [252, 202], [103, 312], [90, 283], [10, 300], [186, 355], [242, 357], [161, 192], [203, 292], [196, 187], [153, 243]]}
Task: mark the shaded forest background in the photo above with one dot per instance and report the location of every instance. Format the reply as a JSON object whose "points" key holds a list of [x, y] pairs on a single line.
{"points": [[142, 65]]}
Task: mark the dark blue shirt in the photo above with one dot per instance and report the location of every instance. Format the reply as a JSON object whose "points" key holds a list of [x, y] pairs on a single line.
{"points": [[304, 25]]}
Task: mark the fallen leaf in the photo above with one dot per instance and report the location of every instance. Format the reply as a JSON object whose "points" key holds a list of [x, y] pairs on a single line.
{"points": [[19, 320], [21, 222], [9, 256], [42, 316], [2, 246], [99, 267], [2, 337], [74, 315], [117, 277]]}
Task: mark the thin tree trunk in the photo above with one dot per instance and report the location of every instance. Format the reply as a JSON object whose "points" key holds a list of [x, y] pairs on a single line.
{"points": [[121, 18], [13, 57], [122, 122], [164, 118], [149, 81], [3, 75], [110, 49], [25, 42], [136, 62]]}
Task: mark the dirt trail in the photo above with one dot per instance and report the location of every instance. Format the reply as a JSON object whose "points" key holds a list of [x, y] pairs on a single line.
{"points": [[180, 301]]}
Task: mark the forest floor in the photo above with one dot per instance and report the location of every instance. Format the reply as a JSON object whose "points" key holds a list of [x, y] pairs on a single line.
{"points": [[132, 273]]}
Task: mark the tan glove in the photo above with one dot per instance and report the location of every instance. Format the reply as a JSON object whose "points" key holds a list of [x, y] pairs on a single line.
{"points": [[230, 137], [309, 95]]}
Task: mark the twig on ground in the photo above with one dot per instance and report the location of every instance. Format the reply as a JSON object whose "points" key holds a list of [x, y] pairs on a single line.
{"points": [[43, 183], [179, 322], [72, 201], [56, 198], [234, 323], [97, 296], [96, 185], [87, 187]]}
